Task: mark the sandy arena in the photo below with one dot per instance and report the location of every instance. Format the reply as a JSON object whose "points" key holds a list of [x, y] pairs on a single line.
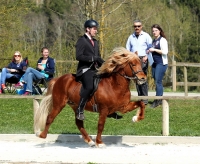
{"points": [[71, 149]]}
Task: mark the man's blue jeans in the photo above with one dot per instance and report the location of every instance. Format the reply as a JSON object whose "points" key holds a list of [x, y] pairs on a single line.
{"points": [[158, 72], [31, 75]]}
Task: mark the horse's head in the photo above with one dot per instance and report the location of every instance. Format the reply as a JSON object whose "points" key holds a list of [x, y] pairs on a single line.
{"points": [[133, 70], [126, 63]]}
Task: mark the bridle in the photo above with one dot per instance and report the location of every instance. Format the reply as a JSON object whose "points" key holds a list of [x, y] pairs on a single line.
{"points": [[133, 72]]}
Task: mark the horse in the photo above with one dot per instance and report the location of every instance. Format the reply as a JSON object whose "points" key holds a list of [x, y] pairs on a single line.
{"points": [[113, 94]]}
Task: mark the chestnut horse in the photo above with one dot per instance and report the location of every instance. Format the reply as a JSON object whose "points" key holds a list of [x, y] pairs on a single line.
{"points": [[113, 94]]}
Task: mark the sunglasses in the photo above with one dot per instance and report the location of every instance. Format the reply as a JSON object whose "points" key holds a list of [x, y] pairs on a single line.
{"points": [[137, 26], [17, 55]]}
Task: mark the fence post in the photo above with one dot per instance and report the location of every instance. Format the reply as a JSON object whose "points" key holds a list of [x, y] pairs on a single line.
{"points": [[198, 81], [185, 81], [174, 75], [165, 121]]}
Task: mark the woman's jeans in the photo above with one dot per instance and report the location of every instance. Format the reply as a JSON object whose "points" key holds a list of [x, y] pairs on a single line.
{"points": [[31, 75], [158, 72], [5, 74]]}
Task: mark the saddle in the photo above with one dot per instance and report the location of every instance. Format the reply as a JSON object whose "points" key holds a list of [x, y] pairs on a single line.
{"points": [[97, 79]]}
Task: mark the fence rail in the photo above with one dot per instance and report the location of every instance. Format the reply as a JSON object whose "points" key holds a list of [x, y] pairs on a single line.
{"points": [[71, 63], [165, 105], [185, 83]]}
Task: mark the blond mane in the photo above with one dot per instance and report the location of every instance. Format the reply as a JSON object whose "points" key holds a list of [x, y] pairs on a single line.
{"points": [[119, 56]]}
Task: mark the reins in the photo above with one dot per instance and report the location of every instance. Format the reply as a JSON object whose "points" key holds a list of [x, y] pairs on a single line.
{"points": [[133, 72]]}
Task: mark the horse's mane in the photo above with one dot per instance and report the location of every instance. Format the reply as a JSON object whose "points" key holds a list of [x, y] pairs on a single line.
{"points": [[119, 56]]}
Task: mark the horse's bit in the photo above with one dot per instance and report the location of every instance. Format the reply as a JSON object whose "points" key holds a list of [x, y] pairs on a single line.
{"points": [[133, 72]]}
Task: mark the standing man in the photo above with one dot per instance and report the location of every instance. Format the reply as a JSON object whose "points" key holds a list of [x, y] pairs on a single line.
{"points": [[140, 41], [87, 53]]}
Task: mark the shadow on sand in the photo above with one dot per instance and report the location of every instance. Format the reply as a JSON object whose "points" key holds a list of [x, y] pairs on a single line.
{"points": [[76, 141]]}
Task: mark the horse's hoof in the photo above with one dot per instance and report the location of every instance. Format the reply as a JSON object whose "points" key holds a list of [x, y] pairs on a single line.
{"points": [[37, 134], [135, 119], [91, 143], [100, 145]]}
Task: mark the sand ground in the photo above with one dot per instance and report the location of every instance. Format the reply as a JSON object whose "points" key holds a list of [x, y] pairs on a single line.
{"points": [[35, 151]]}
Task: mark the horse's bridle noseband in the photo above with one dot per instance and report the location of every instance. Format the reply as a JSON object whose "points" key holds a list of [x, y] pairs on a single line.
{"points": [[133, 72]]}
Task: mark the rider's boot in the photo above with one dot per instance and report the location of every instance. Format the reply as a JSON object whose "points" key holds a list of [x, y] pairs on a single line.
{"points": [[80, 109]]}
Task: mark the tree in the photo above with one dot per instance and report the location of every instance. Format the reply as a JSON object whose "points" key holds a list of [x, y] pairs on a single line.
{"points": [[11, 25]]}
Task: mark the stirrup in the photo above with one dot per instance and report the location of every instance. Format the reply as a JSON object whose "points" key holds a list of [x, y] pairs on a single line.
{"points": [[80, 116]]}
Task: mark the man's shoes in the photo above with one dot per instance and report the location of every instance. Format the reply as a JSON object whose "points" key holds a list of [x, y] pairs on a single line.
{"points": [[115, 116], [145, 101], [156, 103], [80, 116], [3, 86]]}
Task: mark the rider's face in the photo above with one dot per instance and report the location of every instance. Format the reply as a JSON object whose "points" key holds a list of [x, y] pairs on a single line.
{"points": [[92, 31]]}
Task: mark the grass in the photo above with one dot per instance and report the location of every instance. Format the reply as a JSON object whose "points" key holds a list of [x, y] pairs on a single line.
{"points": [[17, 118]]}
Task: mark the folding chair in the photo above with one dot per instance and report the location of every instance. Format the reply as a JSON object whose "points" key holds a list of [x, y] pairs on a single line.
{"points": [[10, 84], [13, 80], [40, 86]]}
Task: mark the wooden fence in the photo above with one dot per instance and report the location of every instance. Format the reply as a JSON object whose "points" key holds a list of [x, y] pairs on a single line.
{"points": [[185, 83], [165, 105], [63, 67]]}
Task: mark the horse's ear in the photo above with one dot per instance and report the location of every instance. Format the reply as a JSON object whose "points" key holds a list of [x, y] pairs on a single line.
{"points": [[136, 52], [123, 55], [113, 62]]}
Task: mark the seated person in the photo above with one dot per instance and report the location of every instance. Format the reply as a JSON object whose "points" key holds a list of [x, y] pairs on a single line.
{"points": [[45, 69], [16, 68]]}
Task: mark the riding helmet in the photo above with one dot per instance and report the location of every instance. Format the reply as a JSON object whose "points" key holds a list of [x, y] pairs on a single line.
{"points": [[91, 23]]}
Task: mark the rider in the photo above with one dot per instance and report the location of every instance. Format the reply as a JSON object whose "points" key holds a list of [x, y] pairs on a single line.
{"points": [[87, 53]]}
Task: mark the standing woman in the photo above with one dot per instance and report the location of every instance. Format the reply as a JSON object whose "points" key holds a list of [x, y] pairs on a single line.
{"points": [[159, 52]]}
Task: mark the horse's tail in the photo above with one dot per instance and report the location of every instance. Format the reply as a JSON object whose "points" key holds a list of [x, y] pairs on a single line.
{"points": [[41, 113], [50, 86]]}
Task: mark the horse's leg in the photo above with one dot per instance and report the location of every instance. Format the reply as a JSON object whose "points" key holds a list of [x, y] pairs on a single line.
{"points": [[80, 126], [50, 119], [57, 107], [133, 105], [101, 123], [87, 139]]}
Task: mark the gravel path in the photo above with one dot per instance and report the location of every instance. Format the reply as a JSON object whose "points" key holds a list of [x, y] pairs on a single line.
{"points": [[47, 151]]}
